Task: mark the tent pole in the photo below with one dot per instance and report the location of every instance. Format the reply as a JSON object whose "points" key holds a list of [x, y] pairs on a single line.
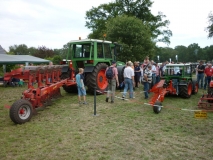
{"points": [[4, 68]]}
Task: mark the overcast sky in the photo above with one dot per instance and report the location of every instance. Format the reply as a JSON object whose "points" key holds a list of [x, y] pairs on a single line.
{"points": [[53, 23]]}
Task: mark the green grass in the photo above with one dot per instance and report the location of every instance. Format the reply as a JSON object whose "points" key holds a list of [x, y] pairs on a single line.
{"points": [[123, 130]]}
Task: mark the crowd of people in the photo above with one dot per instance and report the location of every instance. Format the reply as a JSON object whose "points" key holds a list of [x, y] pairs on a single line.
{"points": [[147, 73], [204, 74]]}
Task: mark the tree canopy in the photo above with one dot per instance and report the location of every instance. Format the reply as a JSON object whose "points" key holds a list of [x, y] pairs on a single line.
{"points": [[210, 27], [134, 37], [97, 17]]}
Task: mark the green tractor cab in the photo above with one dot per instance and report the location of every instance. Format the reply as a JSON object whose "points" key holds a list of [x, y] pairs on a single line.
{"points": [[181, 76], [94, 56]]}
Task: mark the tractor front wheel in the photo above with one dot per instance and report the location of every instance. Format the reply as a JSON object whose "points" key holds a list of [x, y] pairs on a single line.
{"points": [[157, 107], [21, 111], [97, 78], [186, 90]]}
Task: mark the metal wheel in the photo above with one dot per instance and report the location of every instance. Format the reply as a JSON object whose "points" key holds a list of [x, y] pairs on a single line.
{"points": [[157, 107], [21, 111]]}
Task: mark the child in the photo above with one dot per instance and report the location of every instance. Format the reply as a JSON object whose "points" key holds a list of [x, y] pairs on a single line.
{"points": [[80, 84]]}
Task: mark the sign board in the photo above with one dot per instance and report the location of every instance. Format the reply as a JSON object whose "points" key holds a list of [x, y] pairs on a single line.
{"points": [[200, 114]]}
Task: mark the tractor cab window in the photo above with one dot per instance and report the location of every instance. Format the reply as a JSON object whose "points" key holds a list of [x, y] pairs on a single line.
{"points": [[173, 70], [187, 70], [100, 50], [107, 51], [81, 50]]}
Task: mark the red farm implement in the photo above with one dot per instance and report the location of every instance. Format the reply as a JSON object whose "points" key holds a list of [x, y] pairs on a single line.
{"points": [[177, 81], [48, 81], [91, 54], [206, 100]]}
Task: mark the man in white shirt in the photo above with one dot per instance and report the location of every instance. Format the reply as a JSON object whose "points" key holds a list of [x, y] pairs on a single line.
{"points": [[128, 80]]}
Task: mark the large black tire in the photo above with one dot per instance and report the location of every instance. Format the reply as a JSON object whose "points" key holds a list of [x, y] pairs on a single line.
{"points": [[121, 77], [21, 111], [97, 78], [69, 89], [194, 87], [157, 107], [185, 91], [120, 73]]}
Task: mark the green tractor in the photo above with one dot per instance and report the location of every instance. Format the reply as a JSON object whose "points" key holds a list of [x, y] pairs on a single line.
{"points": [[94, 56], [177, 80], [181, 76]]}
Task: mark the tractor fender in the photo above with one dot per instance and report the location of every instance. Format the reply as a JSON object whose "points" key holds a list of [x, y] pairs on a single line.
{"points": [[88, 69]]}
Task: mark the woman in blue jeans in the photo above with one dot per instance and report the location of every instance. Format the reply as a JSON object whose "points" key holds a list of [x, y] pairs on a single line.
{"points": [[128, 85]]}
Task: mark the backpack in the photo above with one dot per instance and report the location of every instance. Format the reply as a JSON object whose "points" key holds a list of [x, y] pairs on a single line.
{"points": [[109, 73]]}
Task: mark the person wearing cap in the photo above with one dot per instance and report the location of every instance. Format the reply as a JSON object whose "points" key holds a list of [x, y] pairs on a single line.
{"points": [[200, 74], [112, 83]]}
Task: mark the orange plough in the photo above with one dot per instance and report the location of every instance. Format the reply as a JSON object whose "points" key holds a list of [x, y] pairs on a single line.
{"points": [[159, 91]]}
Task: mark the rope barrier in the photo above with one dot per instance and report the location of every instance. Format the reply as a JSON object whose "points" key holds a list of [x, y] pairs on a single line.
{"points": [[137, 102]]}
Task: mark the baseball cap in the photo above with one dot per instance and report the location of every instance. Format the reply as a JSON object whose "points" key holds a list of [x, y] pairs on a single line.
{"points": [[113, 62]]}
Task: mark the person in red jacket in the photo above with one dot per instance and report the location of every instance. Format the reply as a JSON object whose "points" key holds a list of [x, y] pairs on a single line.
{"points": [[208, 74]]}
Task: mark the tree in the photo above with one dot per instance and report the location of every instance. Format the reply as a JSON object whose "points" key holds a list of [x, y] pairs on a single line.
{"points": [[56, 60], [193, 53], [96, 18], [208, 53], [21, 49], [44, 52], [32, 51], [134, 37], [166, 53], [210, 27], [181, 52]]}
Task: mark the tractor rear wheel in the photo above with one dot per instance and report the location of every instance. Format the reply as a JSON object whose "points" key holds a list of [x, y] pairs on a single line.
{"points": [[68, 89], [194, 87], [120, 73], [97, 78], [157, 107], [21, 111], [186, 90], [120, 76]]}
